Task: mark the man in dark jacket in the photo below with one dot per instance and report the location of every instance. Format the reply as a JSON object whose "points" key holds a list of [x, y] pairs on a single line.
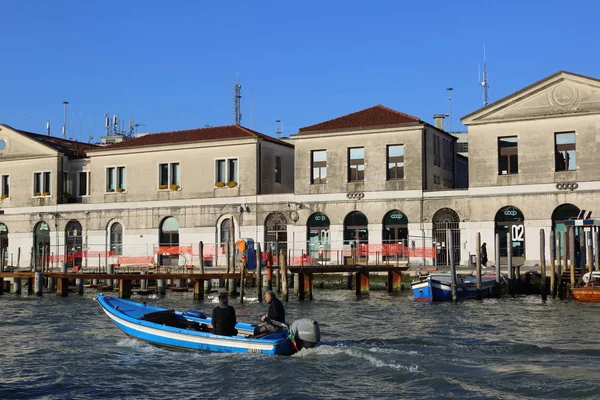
{"points": [[276, 312], [223, 317]]}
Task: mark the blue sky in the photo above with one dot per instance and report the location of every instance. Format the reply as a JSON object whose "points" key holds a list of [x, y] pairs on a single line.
{"points": [[171, 65]]}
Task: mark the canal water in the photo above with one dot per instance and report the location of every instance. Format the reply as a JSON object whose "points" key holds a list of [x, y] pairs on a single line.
{"points": [[379, 347]]}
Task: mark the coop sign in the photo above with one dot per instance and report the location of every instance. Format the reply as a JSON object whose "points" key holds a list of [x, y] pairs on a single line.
{"points": [[320, 217], [510, 213], [396, 216]]}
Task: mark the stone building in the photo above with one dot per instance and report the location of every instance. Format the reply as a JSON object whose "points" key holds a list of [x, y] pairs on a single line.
{"points": [[370, 184]]}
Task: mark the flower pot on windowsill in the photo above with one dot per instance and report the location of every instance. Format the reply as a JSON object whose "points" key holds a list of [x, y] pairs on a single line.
{"points": [[45, 194], [110, 190], [174, 187], [163, 187], [120, 190], [3, 197], [220, 184], [36, 194], [232, 184]]}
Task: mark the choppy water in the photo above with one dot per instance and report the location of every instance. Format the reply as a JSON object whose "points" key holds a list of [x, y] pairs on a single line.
{"points": [[380, 347]]}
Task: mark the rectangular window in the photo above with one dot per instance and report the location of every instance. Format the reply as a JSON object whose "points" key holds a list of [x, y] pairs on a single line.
{"points": [[41, 184], [226, 170], [116, 179], [508, 156], [168, 176], [564, 151], [395, 162], [318, 165], [278, 169], [232, 170], [82, 183], [220, 167], [5, 186], [356, 164]]}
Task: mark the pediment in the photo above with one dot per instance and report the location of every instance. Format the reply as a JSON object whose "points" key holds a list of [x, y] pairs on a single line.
{"points": [[14, 145], [560, 94]]}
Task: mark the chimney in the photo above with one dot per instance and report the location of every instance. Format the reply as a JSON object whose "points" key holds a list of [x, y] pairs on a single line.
{"points": [[439, 120]]}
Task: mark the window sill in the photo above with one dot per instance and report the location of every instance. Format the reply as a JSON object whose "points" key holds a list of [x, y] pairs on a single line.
{"points": [[318, 183], [115, 192]]}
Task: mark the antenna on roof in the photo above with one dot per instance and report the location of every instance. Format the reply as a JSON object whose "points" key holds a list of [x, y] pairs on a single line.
{"points": [[449, 109], [483, 81], [48, 127], [237, 96], [65, 123], [279, 131], [107, 124]]}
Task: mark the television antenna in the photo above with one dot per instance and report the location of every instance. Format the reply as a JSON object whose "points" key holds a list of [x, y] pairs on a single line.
{"points": [[279, 131], [483, 81]]}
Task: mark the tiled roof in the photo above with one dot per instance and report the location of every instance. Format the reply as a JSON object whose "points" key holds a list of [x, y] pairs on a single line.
{"points": [[193, 135], [67, 147], [370, 117]]}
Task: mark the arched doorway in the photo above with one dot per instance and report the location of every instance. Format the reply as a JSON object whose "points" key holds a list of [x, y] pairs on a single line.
{"points": [[395, 232], [41, 244], [276, 234], [444, 219], [356, 234], [116, 239], [226, 230], [511, 219], [4, 242], [73, 244], [169, 237], [563, 213], [318, 228]]}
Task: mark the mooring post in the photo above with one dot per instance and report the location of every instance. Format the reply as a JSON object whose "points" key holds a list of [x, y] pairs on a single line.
{"points": [[310, 284], [62, 284], [110, 270], [124, 288], [552, 264], [203, 266], [561, 262], [259, 280], [452, 265], [79, 286], [301, 287], [394, 282], [588, 255], [278, 278], [270, 277], [511, 271], [199, 289], [161, 288], [38, 283], [144, 282], [572, 255], [283, 267], [16, 289], [543, 262], [243, 274], [478, 264], [498, 274]]}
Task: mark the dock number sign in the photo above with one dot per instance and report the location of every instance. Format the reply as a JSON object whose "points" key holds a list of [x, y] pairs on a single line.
{"points": [[518, 231]]}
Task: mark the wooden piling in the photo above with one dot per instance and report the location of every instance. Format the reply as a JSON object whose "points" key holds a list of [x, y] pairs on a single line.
{"points": [[511, 272], [543, 262], [207, 282], [309, 284], [552, 264], [30, 282], [362, 284], [243, 274], [394, 282], [478, 264], [38, 284], [62, 284], [259, 279], [161, 288], [588, 254], [284, 272], [301, 289], [199, 289], [498, 274], [561, 262], [125, 288], [79, 286], [452, 265], [572, 255], [16, 289]]}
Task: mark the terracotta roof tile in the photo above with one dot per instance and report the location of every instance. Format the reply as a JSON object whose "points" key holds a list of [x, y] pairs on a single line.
{"points": [[68, 147], [193, 135], [370, 117]]}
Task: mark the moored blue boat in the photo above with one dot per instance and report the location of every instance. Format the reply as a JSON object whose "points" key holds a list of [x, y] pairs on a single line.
{"points": [[188, 330], [438, 287]]}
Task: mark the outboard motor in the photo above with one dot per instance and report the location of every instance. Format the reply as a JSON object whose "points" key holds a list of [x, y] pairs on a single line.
{"points": [[306, 333]]}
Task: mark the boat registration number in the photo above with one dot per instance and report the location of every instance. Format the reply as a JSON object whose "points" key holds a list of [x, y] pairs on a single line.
{"points": [[254, 351]]}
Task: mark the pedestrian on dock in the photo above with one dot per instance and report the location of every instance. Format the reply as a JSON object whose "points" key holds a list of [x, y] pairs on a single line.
{"points": [[275, 315], [484, 258], [223, 317]]}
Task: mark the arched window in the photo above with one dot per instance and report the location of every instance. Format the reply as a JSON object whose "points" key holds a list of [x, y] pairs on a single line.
{"points": [[41, 244], [356, 228], [169, 237], [225, 232], [318, 228], [511, 219], [116, 239], [276, 233], [73, 244]]}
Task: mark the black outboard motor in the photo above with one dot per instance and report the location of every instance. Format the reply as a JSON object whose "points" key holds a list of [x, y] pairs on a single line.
{"points": [[306, 333]]}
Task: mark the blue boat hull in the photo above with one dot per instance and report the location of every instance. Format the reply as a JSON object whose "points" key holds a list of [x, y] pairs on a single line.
{"points": [[439, 290], [127, 316]]}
